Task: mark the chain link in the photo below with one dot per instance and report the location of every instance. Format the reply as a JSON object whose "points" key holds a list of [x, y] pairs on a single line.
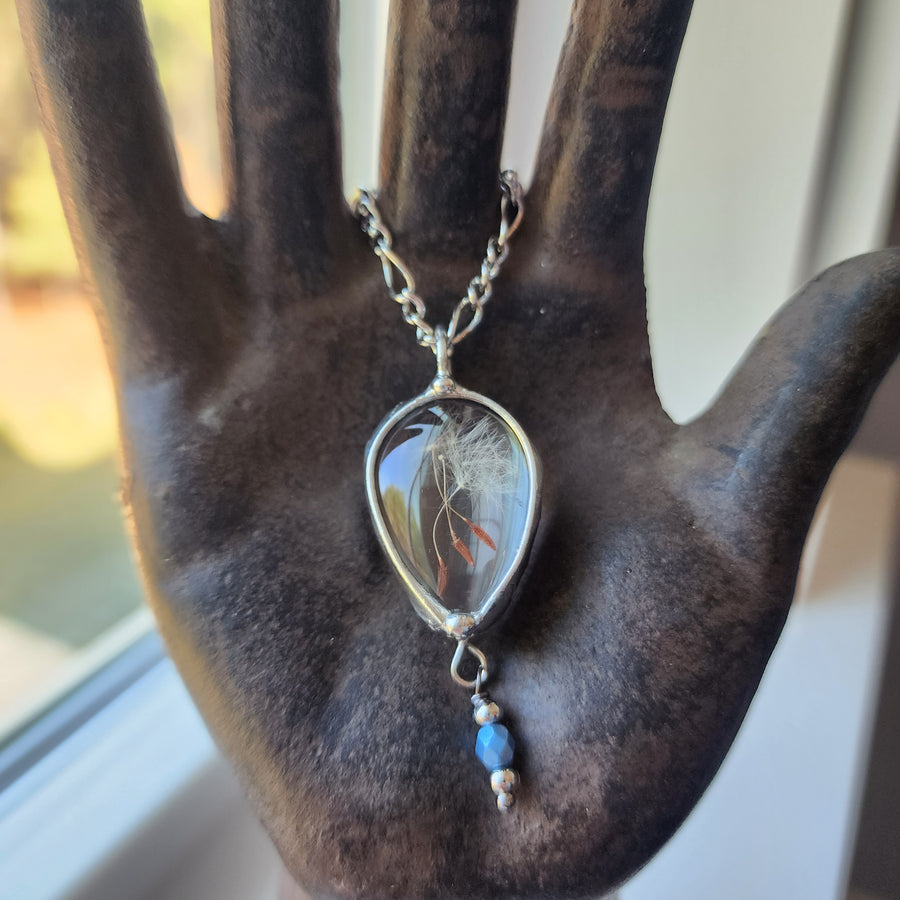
{"points": [[402, 285]]}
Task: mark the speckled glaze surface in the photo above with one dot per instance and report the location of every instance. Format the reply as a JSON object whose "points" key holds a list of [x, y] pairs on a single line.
{"points": [[666, 557]]}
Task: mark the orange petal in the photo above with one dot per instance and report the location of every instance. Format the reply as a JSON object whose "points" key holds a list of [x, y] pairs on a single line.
{"points": [[463, 551], [481, 534]]}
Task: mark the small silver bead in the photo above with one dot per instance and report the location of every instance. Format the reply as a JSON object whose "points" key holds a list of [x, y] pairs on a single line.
{"points": [[503, 780], [487, 713], [505, 802], [459, 625]]}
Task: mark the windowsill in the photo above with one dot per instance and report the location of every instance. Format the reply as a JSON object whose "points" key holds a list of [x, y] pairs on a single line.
{"points": [[114, 805]]}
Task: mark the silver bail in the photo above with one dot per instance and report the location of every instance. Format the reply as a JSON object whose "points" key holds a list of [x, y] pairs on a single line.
{"points": [[443, 380]]}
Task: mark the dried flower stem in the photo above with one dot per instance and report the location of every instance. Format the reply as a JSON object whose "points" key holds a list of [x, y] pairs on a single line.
{"points": [[456, 541], [476, 463]]}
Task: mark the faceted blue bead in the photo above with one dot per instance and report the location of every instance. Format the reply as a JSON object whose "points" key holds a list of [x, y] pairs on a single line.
{"points": [[494, 746]]}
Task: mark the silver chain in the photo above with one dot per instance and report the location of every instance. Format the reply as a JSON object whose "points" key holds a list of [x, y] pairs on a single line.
{"points": [[480, 288]]}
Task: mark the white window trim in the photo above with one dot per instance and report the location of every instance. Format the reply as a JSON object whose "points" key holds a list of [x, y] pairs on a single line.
{"points": [[115, 804]]}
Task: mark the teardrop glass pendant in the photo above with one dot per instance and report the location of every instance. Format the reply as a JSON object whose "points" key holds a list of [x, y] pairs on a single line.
{"points": [[453, 485]]}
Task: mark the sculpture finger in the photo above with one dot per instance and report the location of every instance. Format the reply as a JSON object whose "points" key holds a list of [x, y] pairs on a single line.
{"points": [[793, 405], [277, 75], [444, 110], [604, 119], [115, 164]]}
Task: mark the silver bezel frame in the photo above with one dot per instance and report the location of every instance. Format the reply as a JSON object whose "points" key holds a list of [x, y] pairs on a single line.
{"points": [[460, 624]]}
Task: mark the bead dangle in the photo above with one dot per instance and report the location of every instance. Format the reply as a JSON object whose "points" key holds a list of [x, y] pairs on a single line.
{"points": [[494, 746]]}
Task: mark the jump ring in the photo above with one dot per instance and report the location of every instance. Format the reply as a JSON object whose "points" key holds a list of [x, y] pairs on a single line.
{"points": [[482, 675]]}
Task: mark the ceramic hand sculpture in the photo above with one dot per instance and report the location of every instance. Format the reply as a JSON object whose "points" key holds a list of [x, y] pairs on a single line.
{"points": [[255, 355]]}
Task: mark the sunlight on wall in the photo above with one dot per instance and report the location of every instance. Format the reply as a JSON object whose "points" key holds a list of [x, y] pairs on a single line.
{"points": [[56, 400]]}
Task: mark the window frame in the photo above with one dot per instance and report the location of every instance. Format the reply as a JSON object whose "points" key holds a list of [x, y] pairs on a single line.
{"points": [[113, 805]]}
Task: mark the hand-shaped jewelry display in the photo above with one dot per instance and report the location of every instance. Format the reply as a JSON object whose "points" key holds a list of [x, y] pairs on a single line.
{"points": [[255, 356]]}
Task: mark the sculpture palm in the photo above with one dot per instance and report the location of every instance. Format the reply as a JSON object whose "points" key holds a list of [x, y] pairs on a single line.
{"points": [[254, 356]]}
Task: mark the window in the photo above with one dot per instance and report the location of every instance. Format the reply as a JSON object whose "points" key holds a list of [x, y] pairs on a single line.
{"points": [[70, 598]]}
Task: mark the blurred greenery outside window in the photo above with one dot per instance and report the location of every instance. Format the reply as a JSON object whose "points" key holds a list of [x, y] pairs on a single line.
{"points": [[69, 591]]}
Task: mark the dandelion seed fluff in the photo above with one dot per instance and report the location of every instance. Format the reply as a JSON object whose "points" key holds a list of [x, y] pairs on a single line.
{"points": [[478, 458]]}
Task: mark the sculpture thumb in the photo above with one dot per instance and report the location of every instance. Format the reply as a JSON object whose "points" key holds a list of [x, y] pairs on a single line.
{"points": [[772, 438]]}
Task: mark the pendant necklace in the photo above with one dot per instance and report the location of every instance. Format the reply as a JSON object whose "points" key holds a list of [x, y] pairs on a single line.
{"points": [[453, 483]]}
